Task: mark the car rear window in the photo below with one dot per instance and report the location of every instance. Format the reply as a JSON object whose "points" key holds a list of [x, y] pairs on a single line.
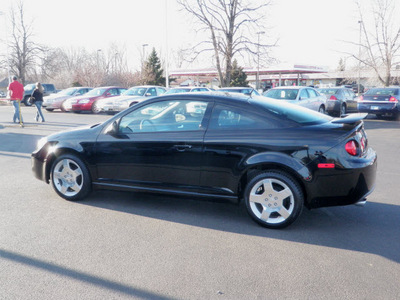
{"points": [[328, 91], [291, 112], [383, 92]]}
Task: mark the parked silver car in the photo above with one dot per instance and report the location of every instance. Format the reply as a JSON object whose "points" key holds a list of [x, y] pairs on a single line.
{"points": [[300, 95], [128, 98], [55, 101]]}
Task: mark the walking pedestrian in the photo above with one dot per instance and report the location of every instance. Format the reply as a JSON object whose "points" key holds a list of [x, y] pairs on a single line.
{"points": [[37, 99], [16, 90]]}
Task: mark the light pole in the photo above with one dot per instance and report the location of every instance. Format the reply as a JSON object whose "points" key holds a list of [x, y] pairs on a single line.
{"points": [[143, 50], [359, 60], [166, 46], [258, 60]]}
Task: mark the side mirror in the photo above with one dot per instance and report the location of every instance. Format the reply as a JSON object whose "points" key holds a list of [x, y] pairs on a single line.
{"points": [[112, 129], [108, 94], [148, 94]]}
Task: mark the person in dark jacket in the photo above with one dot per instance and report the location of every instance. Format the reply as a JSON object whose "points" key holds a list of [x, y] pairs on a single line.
{"points": [[37, 99]]}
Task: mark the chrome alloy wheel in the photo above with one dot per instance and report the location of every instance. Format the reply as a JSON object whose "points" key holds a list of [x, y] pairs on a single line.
{"points": [[68, 177], [271, 201]]}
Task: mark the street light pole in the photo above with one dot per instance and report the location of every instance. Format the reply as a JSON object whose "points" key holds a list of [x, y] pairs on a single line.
{"points": [[258, 60], [359, 60], [166, 46]]}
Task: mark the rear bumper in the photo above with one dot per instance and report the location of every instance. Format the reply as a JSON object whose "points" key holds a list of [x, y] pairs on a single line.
{"points": [[379, 108], [353, 183]]}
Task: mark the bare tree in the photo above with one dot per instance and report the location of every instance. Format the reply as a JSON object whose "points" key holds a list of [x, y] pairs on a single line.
{"points": [[24, 51], [232, 25], [380, 45]]}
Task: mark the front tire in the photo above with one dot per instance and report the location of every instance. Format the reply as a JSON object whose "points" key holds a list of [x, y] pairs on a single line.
{"points": [[273, 199], [70, 177]]}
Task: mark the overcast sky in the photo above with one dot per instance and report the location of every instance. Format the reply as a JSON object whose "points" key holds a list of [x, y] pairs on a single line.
{"points": [[309, 31]]}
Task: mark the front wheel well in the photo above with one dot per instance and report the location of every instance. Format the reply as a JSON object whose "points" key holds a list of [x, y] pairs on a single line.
{"points": [[250, 173]]}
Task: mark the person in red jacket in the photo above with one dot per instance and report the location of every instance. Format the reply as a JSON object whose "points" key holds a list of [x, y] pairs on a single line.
{"points": [[16, 90]]}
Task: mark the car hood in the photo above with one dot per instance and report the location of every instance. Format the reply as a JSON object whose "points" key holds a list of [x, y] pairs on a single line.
{"points": [[75, 133], [53, 97]]}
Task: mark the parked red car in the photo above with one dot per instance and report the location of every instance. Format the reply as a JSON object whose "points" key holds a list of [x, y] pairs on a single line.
{"points": [[85, 102]]}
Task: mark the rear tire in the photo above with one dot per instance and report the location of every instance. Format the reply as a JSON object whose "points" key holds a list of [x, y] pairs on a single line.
{"points": [[321, 109], [274, 199], [342, 110]]}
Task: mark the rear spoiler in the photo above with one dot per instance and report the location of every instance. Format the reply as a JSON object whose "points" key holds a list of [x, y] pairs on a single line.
{"points": [[350, 118]]}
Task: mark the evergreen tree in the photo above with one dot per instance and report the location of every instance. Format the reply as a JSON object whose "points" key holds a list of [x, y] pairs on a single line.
{"points": [[153, 73], [238, 77]]}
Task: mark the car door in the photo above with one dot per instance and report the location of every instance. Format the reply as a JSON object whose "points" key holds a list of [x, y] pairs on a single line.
{"points": [[157, 145], [304, 99], [351, 101]]}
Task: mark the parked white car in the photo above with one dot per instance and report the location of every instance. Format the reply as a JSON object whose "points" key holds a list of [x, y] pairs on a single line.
{"points": [[300, 95]]}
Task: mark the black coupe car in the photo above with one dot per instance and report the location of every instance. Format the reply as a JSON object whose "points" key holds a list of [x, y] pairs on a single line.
{"points": [[276, 156]]}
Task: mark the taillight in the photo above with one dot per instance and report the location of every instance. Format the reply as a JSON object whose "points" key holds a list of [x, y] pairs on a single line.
{"points": [[361, 98], [351, 148], [393, 99], [333, 97]]}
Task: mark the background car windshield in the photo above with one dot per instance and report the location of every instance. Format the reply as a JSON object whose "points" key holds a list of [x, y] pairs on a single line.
{"points": [[384, 92], [294, 113], [136, 91], [96, 92], [29, 87], [67, 92], [285, 94], [177, 90], [328, 91]]}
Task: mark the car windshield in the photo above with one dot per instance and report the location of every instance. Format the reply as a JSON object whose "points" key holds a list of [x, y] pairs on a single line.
{"points": [[328, 91], [29, 87], [383, 92], [96, 92], [135, 91], [177, 91], [67, 92], [294, 113], [284, 94]]}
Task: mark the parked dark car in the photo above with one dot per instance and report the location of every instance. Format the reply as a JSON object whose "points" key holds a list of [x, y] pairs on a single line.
{"points": [[48, 89], [276, 156], [340, 101], [383, 102]]}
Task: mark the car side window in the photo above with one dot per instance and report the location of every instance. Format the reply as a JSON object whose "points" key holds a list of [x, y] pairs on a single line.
{"points": [[160, 91], [304, 94], [113, 92], [178, 115], [228, 118], [151, 92], [312, 93]]}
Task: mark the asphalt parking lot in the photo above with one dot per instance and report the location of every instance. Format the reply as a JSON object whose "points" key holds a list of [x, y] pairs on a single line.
{"points": [[117, 245]]}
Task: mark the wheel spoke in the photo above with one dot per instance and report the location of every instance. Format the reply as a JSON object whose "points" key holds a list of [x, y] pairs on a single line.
{"points": [[76, 173], [265, 214], [284, 213], [63, 188], [282, 195], [257, 198]]}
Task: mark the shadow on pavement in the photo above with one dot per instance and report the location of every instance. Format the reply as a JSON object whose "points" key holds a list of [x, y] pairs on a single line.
{"points": [[370, 229], [81, 276]]}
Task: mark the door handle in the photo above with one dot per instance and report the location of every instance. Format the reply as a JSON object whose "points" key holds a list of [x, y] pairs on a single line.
{"points": [[182, 148]]}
